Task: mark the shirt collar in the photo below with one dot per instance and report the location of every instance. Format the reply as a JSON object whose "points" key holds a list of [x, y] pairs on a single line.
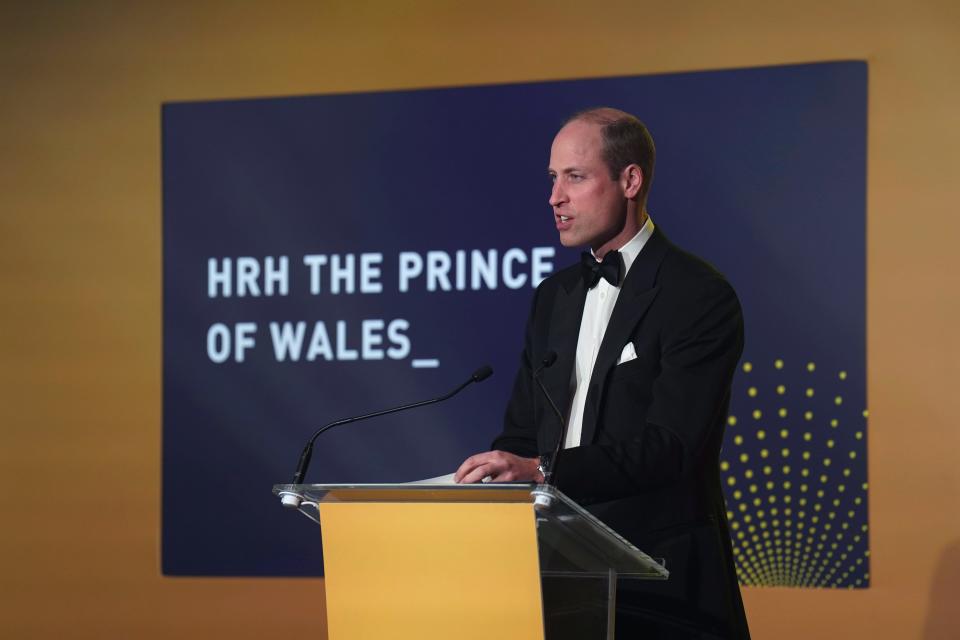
{"points": [[632, 248]]}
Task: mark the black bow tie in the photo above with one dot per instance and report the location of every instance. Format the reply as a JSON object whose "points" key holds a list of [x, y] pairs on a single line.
{"points": [[609, 269]]}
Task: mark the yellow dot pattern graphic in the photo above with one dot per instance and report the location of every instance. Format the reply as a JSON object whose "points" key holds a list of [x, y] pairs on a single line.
{"points": [[799, 518]]}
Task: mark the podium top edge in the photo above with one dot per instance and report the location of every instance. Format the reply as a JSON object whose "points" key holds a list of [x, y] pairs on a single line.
{"points": [[409, 492]]}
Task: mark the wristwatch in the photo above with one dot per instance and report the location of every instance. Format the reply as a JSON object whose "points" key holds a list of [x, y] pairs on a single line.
{"points": [[542, 469]]}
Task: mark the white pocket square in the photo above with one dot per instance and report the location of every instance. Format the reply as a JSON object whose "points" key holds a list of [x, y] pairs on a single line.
{"points": [[629, 353]]}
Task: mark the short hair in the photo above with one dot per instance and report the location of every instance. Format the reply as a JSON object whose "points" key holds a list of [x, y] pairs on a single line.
{"points": [[626, 140]]}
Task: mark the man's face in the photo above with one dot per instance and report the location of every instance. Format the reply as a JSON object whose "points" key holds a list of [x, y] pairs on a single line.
{"points": [[589, 207]]}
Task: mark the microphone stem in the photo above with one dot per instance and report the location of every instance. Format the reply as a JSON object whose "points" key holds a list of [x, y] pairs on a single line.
{"points": [[549, 469], [478, 376], [388, 411]]}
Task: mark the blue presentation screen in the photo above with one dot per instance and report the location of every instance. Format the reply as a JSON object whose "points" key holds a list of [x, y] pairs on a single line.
{"points": [[327, 256]]}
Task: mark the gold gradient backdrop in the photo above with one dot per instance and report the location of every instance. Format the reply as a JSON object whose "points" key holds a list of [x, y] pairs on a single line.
{"points": [[80, 208]]}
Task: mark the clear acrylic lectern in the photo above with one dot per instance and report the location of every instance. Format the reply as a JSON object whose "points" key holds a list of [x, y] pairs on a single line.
{"points": [[466, 561]]}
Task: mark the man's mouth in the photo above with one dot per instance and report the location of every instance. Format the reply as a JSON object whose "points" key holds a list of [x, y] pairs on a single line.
{"points": [[564, 218]]}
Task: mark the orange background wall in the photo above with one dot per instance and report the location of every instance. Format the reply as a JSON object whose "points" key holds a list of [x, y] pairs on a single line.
{"points": [[82, 84]]}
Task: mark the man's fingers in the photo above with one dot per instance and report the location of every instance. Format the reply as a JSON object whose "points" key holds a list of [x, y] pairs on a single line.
{"points": [[478, 474], [505, 475], [470, 464], [499, 465]]}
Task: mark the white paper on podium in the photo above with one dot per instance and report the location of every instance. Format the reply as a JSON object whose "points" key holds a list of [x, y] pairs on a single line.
{"points": [[447, 479]]}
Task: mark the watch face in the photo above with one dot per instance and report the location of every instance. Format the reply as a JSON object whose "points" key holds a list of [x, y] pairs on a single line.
{"points": [[542, 469]]}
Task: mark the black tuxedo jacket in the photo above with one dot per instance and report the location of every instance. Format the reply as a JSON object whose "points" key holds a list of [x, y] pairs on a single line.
{"points": [[648, 463]]}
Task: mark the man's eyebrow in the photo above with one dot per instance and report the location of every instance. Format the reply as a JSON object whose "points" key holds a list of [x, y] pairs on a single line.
{"points": [[553, 171]]}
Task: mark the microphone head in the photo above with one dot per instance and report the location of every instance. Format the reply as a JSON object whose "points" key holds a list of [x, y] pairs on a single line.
{"points": [[549, 358], [482, 373]]}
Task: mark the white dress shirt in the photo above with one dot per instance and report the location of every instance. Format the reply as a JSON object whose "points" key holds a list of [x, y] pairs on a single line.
{"points": [[596, 316]]}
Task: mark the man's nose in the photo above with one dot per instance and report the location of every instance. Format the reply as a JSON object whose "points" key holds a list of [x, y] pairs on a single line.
{"points": [[557, 195]]}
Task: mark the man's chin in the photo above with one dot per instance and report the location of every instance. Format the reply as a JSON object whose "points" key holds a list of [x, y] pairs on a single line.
{"points": [[567, 240]]}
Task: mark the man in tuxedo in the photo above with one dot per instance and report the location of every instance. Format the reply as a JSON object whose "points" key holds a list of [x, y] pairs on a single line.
{"points": [[647, 338]]}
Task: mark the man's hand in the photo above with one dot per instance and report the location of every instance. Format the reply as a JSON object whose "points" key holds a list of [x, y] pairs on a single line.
{"points": [[500, 466]]}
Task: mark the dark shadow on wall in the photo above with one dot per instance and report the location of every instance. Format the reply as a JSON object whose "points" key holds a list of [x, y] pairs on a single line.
{"points": [[943, 616]]}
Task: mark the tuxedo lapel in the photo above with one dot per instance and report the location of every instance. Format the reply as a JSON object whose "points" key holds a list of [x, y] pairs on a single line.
{"points": [[562, 335], [636, 295]]}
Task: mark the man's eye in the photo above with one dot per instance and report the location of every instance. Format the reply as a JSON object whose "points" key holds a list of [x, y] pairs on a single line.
{"points": [[576, 177]]}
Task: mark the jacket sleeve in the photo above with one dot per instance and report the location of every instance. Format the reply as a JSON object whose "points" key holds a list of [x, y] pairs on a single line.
{"points": [[699, 350]]}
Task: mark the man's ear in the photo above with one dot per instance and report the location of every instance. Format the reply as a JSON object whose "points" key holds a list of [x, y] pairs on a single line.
{"points": [[631, 179]]}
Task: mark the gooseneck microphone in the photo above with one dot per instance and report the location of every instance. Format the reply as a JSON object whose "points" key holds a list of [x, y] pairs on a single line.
{"points": [[549, 465], [479, 375]]}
